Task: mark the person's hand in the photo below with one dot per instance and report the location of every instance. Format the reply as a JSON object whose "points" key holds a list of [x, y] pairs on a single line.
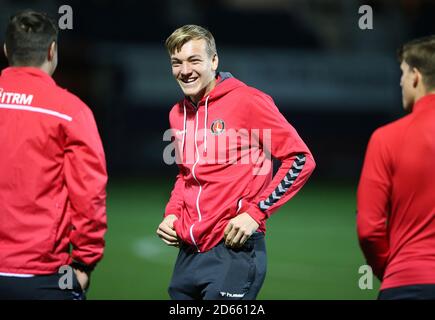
{"points": [[166, 231], [239, 229], [83, 278]]}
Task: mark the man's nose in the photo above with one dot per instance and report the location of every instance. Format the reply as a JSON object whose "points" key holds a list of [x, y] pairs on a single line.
{"points": [[185, 68]]}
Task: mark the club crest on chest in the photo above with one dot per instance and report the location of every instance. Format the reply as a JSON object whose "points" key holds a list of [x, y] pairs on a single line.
{"points": [[217, 127]]}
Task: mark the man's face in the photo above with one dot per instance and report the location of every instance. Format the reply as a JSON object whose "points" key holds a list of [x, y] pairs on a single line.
{"points": [[408, 84], [194, 69]]}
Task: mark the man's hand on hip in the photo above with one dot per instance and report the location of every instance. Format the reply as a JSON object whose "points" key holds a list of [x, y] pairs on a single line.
{"points": [[83, 278], [239, 229], [166, 231]]}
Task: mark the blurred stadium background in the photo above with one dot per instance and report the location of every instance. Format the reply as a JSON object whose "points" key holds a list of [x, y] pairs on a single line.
{"points": [[334, 82]]}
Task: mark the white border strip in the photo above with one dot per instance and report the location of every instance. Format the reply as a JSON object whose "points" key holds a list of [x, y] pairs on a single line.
{"points": [[36, 109], [16, 275]]}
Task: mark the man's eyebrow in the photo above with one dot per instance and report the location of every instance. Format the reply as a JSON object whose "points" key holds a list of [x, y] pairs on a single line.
{"points": [[195, 56]]}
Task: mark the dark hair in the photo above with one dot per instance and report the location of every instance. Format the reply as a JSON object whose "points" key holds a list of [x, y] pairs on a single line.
{"points": [[28, 37], [420, 54]]}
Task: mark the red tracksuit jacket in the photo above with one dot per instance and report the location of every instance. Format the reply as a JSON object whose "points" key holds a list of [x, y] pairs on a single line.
{"points": [[52, 176], [219, 179], [396, 199]]}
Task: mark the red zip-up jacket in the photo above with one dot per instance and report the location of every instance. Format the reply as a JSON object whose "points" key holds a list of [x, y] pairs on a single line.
{"points": [[219, 179], [396, 199], [52, 176]]}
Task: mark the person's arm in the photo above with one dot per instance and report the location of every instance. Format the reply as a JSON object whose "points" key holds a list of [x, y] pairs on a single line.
{"points": [[373, 205], [166, 229], [175, 203], [297, 164], [176, 200], [85, 178]]}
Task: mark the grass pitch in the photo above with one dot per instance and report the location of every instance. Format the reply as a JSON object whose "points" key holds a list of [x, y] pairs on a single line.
{"points": [[312, 246]]}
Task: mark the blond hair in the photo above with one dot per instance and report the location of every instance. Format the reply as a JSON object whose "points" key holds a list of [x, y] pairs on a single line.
{"points": [[187, 33]]}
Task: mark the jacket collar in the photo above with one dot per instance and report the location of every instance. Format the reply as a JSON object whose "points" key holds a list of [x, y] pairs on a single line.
{"points": [[32, 71], [423, 102]]}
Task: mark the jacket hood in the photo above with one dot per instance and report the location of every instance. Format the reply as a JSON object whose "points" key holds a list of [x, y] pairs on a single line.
{"points": [[225, 83]]}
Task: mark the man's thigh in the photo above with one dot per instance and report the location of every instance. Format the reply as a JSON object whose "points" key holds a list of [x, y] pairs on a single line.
{"points": [[240, 273]]}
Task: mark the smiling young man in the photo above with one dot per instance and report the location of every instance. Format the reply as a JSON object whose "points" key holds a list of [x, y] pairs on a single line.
{"points": [[52, 172], [219, 205], [396, 193]]}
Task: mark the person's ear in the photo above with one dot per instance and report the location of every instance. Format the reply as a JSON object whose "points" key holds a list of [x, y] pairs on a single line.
{"points": [[416, 77], [52, 51], [215, 62], [5, 51]]}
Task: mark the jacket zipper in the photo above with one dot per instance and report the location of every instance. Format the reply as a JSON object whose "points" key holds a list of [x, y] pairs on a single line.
{"points": [[200, 187]]}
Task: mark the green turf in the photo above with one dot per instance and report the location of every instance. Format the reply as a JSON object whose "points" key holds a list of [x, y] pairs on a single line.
{"points": [[312, 246]]}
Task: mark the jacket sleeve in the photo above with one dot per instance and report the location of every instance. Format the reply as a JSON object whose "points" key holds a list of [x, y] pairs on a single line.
{"points": [[86, 179], [373, 205], [284, 144], [176, 200]]}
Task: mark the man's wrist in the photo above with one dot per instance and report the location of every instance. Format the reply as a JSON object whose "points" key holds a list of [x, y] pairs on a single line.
{"points": [[255, 213], [169, 214]]}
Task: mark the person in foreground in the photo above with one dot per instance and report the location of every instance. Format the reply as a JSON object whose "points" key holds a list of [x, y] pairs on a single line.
{"points": [[52, 172], [396, 192], [225, 135]]}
